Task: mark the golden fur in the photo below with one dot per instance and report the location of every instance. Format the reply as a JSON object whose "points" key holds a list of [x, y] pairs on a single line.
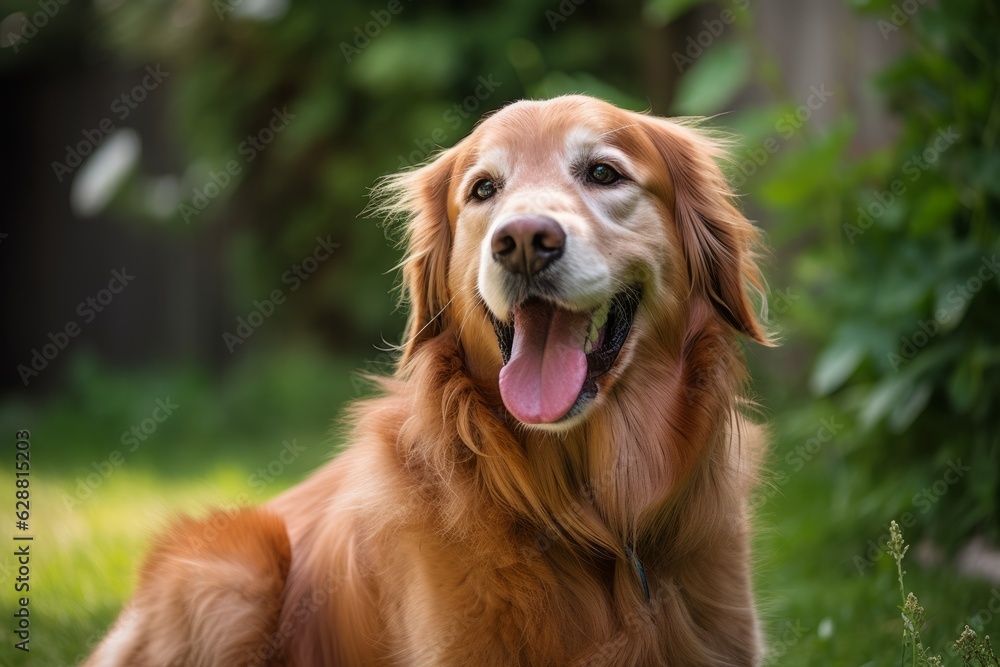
{"points": [[450, 534]]}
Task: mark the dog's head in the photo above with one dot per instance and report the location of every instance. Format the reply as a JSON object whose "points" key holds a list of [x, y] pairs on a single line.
{"points": [[559, 234]]}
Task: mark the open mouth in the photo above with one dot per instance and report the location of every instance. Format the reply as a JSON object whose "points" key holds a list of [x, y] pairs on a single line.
{"points": [[554, 358]]}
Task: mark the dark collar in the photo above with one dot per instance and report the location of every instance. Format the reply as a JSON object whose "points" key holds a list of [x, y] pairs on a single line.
{"points": [[639, 569]]}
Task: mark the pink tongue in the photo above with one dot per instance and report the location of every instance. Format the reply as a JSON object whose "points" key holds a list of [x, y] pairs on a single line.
{"points": [[547, 364]]}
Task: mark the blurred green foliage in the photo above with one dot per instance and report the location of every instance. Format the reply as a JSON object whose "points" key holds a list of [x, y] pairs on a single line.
{"points": [[373, 88], [899, 276]]}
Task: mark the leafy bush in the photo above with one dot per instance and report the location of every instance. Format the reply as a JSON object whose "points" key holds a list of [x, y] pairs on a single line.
{"points": [[895, 276], [907, 273]]}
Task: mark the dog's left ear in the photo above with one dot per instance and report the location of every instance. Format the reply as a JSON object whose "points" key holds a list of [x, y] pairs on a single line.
{"points": [[719, 243], [419, 199]]}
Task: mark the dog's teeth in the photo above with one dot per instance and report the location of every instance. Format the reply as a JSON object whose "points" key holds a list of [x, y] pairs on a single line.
{"points": [[588, 346], [601, 316]]}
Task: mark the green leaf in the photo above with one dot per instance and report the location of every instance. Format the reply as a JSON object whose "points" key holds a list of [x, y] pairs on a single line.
{"points": [[662, 12], [405, 59], [835, 365], [714, 80], [965, 382], [910, 407], [803, 174], [886, 395], [933, 210]]}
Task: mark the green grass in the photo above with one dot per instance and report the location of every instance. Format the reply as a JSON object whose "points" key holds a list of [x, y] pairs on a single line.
{"points": [[812, 532], [807, 577], [85, 552], [818, 608]]}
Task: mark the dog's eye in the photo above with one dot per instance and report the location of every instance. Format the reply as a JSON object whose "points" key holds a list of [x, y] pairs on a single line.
{"points": [[602, 174], [484, 189]]}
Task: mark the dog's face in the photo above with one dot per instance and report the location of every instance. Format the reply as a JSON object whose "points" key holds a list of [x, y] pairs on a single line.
{"points": [[560, 233]]}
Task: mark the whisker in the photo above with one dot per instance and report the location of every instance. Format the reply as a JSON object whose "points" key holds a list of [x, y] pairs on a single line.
{"points": [[429, 322], [473, 306]]}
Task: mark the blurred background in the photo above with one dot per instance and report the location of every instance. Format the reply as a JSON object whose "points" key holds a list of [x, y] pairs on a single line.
{"points": [[191, 285]]}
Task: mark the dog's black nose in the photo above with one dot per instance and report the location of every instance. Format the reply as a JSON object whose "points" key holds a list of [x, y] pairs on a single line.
{"points": [[526, 244]]}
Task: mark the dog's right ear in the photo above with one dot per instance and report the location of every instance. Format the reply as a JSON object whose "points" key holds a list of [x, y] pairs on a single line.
{"points": [[418, 199]]}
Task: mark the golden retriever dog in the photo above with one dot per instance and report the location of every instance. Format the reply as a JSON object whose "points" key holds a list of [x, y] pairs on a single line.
{"points": [[558, 470]]}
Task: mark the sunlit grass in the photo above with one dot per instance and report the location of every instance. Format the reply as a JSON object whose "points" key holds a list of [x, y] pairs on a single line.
{"points": [[85, 556], [821, 610]]}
